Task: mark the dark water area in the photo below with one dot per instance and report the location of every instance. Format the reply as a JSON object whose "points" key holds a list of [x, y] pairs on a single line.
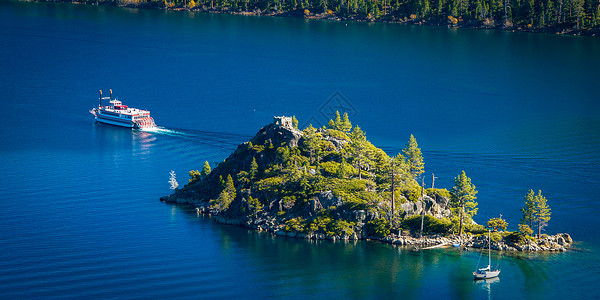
{"points": [[79, 201]]}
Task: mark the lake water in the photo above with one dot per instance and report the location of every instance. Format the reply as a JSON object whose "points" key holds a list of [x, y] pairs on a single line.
{"points": [[79, 201]]}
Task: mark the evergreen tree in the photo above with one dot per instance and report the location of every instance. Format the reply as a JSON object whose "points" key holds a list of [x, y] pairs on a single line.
{"points": [[194, 175], [528, 209], [462, 198], [541, 212], [346, 126], [497, 223], [338, 121], [255, 205], [331, 124], [358, 149], [253, 169], [205, 170], [294, 122], [414, 157], [311, 141]]}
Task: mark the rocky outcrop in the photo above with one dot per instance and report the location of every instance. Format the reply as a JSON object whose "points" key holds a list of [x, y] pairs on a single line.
{"points": [[438, 207], [277, 135]]}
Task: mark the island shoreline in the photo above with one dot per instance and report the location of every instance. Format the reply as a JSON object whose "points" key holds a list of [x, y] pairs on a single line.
{"points": [[553, 30]]}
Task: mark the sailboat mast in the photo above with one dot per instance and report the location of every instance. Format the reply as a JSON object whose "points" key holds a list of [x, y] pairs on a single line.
{"points": [[490, 249]]}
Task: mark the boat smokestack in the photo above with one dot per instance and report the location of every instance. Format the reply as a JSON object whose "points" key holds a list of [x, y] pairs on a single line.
{"points": [[110, 94], [100, 99]]}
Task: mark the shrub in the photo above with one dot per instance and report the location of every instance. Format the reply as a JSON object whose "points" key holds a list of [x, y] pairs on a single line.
{"points": [[475, 228], [514, 237], [339, 227], [295, 225], [430, 224], [438, 193], [525, 230], [378, 227]]}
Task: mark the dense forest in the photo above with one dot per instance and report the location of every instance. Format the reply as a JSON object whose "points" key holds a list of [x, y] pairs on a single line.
{"points": [[554, 16]]}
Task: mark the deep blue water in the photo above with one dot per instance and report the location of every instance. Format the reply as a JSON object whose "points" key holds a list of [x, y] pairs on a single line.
{"points": [[79, 201]]}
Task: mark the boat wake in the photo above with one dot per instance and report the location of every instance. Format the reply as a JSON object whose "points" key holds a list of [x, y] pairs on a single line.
{"points": [[165, 131]]}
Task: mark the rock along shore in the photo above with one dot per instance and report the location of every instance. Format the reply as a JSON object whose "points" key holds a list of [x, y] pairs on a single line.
{"points": [[553, 243]]}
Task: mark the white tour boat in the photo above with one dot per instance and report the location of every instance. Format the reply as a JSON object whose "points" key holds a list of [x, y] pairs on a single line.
{"points": [[118, 114]]}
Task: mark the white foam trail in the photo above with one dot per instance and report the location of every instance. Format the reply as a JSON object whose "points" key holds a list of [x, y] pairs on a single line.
{"points": [[165, 131]]}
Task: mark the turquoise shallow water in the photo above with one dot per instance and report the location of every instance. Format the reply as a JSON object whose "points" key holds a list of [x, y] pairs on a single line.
{"points": [[80, 209]]}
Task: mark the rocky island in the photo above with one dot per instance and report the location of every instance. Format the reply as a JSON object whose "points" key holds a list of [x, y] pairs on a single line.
{"points": [[332, 183]]}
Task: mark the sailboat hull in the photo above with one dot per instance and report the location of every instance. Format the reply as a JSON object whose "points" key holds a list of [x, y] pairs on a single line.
{"points": [[486, 274]]}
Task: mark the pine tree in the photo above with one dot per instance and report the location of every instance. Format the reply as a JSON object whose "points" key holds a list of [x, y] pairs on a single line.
{"points": [[462, 197], [230, 187], [414, 157], [338, 121], [205, 170], [331, 124], [294, 122], [358, 148], [528, 209], [255, 205], [346, 125], [311, 141], [541, 212], [253, 169]]}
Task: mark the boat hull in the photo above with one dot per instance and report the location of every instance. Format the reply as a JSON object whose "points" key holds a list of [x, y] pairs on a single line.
{"points": [[142, 123], [116, 122], [485, 275]]}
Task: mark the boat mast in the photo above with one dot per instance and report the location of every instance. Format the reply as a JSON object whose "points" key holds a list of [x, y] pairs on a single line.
{"points": [[100, 99], [490, 249], [422, 201]]}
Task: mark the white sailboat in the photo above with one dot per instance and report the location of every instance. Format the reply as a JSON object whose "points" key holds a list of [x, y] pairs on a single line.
{"points": [[487, 272]]}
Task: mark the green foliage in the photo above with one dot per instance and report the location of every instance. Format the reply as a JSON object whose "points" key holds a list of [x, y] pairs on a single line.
{"points": [[311, 142], [359, 150], [254, 205], [295, 225], [342, 227], [205, 170], [541, 213], [338, 121], [528, 209], [437, 193], [334, 133], [378, 227], [253, 169], [525, 230], [475, 228], [339, 170], [497, 223], [194, 176], [414, 157], [515, 237], [495, 236], [412, 193], [526, 14], [345, 125], [294, 122], [430, 224], [462, 198], [323, 223], [331, 124]]}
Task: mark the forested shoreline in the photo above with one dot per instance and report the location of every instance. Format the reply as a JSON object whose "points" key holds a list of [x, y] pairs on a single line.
{"points": [[576, 17]]}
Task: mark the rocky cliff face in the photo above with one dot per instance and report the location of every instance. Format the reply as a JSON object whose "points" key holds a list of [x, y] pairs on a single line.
{"points": [[277, 135], [438, 207]]}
